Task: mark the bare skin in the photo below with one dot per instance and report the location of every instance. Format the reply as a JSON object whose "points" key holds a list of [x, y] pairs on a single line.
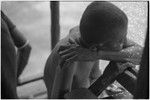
{"points": [[12, 64], [79, 67], [23, 52]]}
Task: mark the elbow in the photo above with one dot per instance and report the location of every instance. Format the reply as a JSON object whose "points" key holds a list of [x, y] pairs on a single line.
{"points": [[29, 46], [138, 47], [138, 53], [28, 49]]}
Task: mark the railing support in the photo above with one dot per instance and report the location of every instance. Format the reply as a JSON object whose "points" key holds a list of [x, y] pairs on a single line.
{"points": [[55, 26]]}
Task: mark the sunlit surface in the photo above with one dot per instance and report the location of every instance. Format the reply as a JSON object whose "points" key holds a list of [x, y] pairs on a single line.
{"points": [[33, 20]]}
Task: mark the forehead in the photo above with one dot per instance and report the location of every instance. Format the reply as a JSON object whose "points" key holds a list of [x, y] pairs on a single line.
{"points": [[108, 46], [109, 41]]}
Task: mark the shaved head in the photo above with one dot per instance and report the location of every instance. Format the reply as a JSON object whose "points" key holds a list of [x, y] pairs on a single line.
{"points": [[102, 21]]}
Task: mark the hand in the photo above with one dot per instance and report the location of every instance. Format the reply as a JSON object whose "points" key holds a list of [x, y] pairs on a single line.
{"points": [[75, 52]]}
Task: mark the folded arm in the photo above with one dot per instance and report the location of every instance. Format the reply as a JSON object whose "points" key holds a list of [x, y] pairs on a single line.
{"points": [[131, 52], [23, 49]]}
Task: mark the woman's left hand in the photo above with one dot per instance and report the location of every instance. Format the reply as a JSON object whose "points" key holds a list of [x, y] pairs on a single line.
{"points": [[75, 52]]}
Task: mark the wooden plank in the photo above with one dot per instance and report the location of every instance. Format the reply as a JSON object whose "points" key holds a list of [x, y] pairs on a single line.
{"points": [[55, 27], [128, 81], [142, 88]]}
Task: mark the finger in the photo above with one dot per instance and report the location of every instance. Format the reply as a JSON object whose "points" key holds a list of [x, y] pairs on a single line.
{"points": [[71, 59], [63, 47], [71, 41], [64, 52], [130, 65], [67, 56]]}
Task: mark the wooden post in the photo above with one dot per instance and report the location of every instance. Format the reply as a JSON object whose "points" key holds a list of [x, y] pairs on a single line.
{"points": [[128, 81], [142, 88], [55, 27]]}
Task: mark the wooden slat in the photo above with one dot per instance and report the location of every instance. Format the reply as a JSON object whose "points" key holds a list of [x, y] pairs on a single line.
{"points": [[142, 88], [55, 27], [128, 81]]}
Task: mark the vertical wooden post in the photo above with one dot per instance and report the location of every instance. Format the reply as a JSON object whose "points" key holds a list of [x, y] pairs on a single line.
{"points": [[55, 27], [142, 88]]}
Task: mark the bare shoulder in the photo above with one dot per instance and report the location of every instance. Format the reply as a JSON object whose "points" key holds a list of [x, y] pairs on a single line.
{"points": [[74, 30]]}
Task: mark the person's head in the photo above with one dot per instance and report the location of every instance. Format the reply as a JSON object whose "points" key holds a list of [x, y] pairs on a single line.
{"points": [[103, 24]]}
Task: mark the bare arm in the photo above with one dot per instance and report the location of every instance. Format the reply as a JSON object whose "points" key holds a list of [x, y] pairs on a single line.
{"points": [[23, 51], [20, 42], [132, 52]]}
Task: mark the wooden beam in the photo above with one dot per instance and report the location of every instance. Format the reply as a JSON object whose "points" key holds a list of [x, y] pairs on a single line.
{"points": [[128, 81], [55, 27], [142, 88]]}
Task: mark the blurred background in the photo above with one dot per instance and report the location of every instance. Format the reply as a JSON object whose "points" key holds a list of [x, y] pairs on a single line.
{"points": [[33, 20]]}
